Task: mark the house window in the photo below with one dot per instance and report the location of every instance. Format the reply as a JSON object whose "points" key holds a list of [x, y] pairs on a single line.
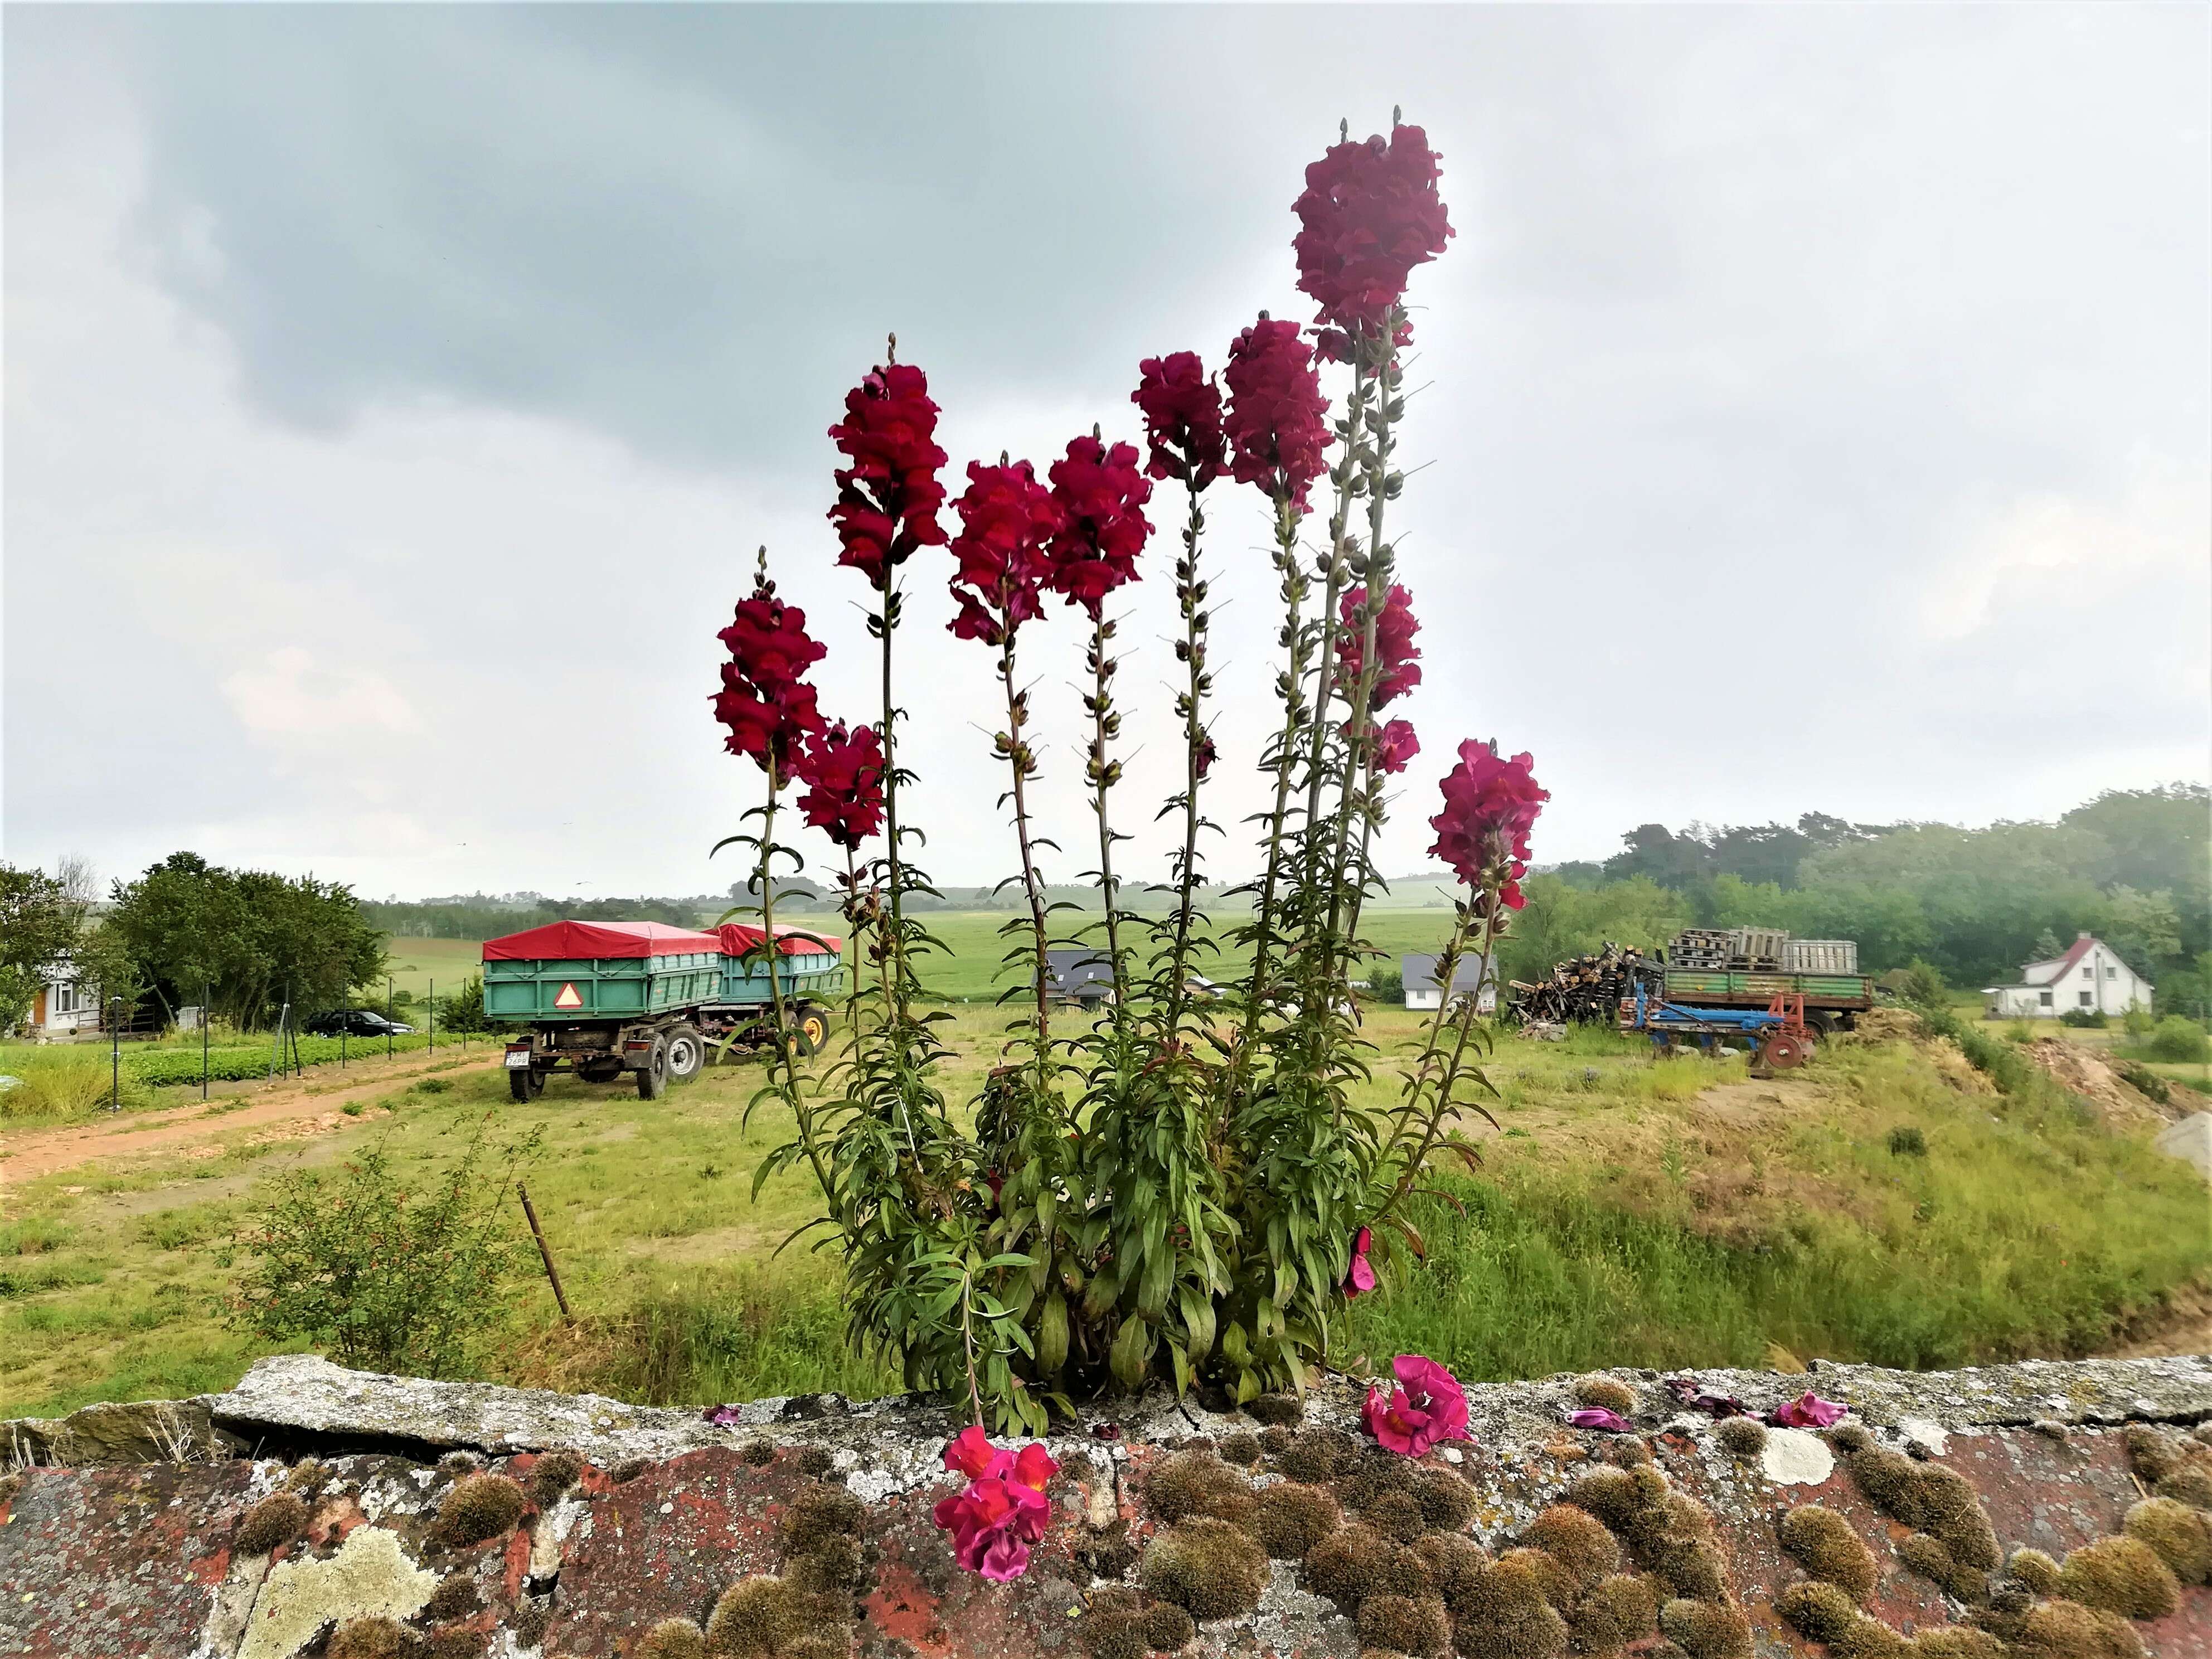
{"points": [[2043, 998], [65, 999], [2112, 972], [2085, 999], [2088, 973]]}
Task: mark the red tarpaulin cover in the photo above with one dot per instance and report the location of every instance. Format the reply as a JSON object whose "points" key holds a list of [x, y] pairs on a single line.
{"points": [[739, 937], [576, 941]]}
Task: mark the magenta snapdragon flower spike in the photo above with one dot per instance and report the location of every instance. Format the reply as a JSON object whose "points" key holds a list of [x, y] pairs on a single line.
{"points": [[1361, 1279], [1006, 520], [1277, 422], [1398, 670], [843, 769], [1101, 496], [888, 494], [1370, 213], [1428, 1406], [1482, 833], [765, 703], [1182, 419]]}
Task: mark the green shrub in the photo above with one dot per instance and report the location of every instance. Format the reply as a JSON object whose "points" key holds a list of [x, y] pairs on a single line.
{"points": [[1908, 1140], [386, 1274], [67, 1080], [165, 1067], [2138, 1023], [2178, 1040], [2084, 1020], [1385, 982], [2144, 1081], [1922, 984], [2002, 1063]]}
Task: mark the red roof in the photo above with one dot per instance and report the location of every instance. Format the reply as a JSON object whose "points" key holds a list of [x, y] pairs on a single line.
{"points": [[2082, 947], [793, 940], [558, 941]]}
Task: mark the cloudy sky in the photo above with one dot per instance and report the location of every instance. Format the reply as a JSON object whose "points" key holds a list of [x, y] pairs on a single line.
{"points": [[1815, 407]]}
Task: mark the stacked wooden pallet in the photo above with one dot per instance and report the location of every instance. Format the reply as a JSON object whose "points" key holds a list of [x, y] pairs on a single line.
{"points": [[1586, 990]]}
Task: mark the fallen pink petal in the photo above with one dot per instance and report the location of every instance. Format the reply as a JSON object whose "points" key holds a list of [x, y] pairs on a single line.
{"points": [[1596, 1417], [1808, 1411], [1426, 1408]]}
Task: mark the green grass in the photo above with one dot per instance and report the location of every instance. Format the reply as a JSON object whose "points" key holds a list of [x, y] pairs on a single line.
{"points": [[416, 963], [1624, 1216]]}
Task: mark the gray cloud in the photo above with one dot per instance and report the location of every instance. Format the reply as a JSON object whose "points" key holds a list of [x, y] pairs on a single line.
{"points": [[1857, 352]]}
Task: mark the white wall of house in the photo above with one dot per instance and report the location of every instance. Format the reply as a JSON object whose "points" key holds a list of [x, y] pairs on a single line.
{"points": [[63, 1007], [2097, 982]]}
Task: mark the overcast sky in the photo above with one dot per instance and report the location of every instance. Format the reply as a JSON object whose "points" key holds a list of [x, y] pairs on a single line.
{"points": [[1815, 407]]}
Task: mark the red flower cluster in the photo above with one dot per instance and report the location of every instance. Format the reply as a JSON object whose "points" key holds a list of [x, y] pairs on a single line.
{"points": [[1396, 745], [765, 701], [844, 771], [1006, 519], [1393, 643], [1489, 807], [887, 499], [1003, 1509], [1182, 419], [1101, 496], [1277, 425], [1368, 214]]}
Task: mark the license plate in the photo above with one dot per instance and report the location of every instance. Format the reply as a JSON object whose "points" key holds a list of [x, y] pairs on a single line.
{"points": [[519, 1061]]}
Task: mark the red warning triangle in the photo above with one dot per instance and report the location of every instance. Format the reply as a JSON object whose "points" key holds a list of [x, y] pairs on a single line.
{"points": [[568, 998]]}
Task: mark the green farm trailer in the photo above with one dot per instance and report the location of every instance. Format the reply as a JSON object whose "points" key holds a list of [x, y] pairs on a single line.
{"points": [[600, 999]]}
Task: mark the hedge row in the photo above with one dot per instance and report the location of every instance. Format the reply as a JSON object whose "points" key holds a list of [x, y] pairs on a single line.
{"points": [[237, 1062]]}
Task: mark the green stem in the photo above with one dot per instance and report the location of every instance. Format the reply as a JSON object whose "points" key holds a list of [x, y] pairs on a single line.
{"points": [[1191, 593], [781, 1050], [895, 872], [1287, 744], [1017, 752], [1104, 725]]}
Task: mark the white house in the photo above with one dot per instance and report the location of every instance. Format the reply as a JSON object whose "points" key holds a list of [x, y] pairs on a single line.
{"points": [[1422, 990], [2089, 976], [62, 1006]]}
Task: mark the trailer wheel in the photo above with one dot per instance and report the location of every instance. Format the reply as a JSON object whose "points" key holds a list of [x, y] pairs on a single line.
{"points": [[1783, 1051], [809, 1029], [652, 1076], [687, 1053], [525, 1086]]}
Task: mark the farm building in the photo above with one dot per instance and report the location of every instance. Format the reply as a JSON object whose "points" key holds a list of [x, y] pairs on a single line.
{"points": [[2090, 976], [1422, 990], [1080, 975]]}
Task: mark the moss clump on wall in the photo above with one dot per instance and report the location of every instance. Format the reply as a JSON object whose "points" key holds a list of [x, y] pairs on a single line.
{"points": [[479, 1506], [1606, 1394], [1450, 1560], [2034, 1569], [1416, 1625], [1291, 1518], [1930, 1498], [2119, 1574], [1350, 1565], [276, 1520], [553, 1474], [1619, 1610], [756, 1617], [1577, 1541], [1206, 1566], [454, 1598], [1741, 1437], [1195, 1483], [1926, 1555], [1817, 1610], [1706, 1630], [2067, 1629], [1957, 1642], [371, 1638], [1446, 1501], [1167, 1627], [673, 1638], [1504, 1614], [1611, 1495], [1318, 1455], [1276, 1410], [2179, 1536], [1242, 1448], [820, 1514]]}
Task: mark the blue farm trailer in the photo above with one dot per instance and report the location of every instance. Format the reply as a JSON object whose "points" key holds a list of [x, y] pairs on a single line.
{"points": [[599, 999]]}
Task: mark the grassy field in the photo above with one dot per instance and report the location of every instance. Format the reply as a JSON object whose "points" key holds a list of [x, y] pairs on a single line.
{"points": [[1631, 1211], [416, 963]]}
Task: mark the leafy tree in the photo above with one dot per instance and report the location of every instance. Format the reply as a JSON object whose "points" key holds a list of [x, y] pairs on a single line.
{"points": [[464, 1010], [253, 938], [2155, 840], [1562, 920]]}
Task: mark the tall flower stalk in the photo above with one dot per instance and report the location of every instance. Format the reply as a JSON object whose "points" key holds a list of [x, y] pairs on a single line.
{"points": [[1101, 496], [1183, 432], [1007, 518]]}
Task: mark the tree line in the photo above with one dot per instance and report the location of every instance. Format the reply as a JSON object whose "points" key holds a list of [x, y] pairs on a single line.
{"points": [[2129, 866]]}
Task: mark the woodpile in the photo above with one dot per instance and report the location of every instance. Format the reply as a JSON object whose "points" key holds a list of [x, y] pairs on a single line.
{"points": [[1589, 990]]}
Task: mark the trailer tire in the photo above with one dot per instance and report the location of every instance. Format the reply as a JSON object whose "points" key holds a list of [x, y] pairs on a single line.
{"points": [[525, 1086], [809, 1029], [652, 1076], [687, 1053]]}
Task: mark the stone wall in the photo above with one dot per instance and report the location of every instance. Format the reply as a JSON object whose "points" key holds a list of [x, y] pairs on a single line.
{"points": [[320, 1511]]}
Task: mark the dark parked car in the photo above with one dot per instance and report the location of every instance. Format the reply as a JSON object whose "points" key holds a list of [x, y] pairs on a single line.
{"points": [[354, 1022]]}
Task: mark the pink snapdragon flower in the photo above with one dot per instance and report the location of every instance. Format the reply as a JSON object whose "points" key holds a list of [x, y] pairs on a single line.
{"points": [[1004, 1509], [1361, 1279], [1427, 1406]]}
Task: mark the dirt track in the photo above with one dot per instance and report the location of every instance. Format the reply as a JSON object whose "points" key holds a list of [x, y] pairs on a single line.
{"points": [[303, 1109]]}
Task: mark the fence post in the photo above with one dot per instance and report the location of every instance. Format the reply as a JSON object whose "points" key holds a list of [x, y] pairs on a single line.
{"points": [[387, 1016], [431, 1001], [114, 1055], [203, 1039]]}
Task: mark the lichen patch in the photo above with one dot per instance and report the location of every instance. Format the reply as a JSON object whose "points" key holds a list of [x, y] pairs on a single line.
{"points": [[369, 1577]]}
